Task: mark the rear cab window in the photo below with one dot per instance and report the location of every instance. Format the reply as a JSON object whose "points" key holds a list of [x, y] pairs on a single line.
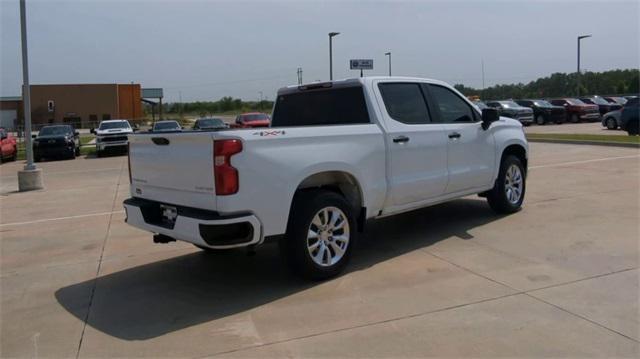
{"points": [[405, 102], [317, 105]]}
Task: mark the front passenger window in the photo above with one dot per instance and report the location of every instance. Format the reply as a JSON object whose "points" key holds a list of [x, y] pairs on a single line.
{"points": [[453, 109]]}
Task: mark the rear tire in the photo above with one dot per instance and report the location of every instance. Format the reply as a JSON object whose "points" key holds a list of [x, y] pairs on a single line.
{"points": [[321, 234], [507, 194]]}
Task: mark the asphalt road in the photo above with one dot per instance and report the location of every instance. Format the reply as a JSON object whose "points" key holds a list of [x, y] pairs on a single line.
{"points": [[559, 278]]}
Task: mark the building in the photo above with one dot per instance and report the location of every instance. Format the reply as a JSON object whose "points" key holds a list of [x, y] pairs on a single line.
{"points": [[82, 105], [10, 112]]}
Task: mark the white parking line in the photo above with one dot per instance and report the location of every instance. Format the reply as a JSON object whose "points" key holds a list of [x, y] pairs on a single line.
{"points": [[584, 161], [61, 218]]}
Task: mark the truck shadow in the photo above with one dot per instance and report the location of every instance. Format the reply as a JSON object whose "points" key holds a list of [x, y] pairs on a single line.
{"points": [[158, 298]]}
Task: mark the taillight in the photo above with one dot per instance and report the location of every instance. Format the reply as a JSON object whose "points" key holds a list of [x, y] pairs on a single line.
{"points": [[129, 160], [226, 176]]}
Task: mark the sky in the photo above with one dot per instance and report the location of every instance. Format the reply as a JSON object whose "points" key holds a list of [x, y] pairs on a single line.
{"points": [[204, 50]]}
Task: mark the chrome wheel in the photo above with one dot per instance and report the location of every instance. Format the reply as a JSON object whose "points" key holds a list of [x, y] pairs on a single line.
{"points": [[540, 120], [513, 184], [328, 236]]}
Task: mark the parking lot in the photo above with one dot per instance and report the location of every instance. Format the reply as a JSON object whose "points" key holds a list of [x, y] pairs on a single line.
{"points": [[559, 278]]}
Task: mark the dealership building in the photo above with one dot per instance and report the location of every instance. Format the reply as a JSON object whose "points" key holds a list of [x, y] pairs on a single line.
{"points": [[82, 105]]}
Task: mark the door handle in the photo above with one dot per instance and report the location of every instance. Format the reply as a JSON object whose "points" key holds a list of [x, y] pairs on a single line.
{"points": [[401, 139], [454, 135]]}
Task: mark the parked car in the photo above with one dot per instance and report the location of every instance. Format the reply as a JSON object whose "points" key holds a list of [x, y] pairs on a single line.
{"points": [[112, 134], [604, 106], [336, 154], [209, 123], [511, 109], [544, 112], [252, 119], [166, 126], [57, 141], [611, 120], [629, 118], [8, 146], [616, 100], [577, 110]]}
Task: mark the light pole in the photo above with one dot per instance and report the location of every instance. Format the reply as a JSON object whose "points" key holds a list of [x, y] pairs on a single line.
{"points": [[331, 35], [580, 38], [260, 92], [30, 178], [389, 54]]}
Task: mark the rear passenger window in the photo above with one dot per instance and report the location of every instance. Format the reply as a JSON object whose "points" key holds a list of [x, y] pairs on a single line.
{"points": [[341, 106], [405, 102], [452, 108]]}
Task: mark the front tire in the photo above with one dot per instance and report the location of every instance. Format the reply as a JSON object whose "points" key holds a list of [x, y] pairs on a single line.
{"points": [[320, 236], [611, 123], [575, 118], [632, 128], [508, 191], [540, 120]]}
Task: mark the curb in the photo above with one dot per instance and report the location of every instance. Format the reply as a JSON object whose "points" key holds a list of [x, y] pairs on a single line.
{"points": [[585, 142]]}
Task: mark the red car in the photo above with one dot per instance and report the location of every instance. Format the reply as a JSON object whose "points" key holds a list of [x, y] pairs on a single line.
{"points": [[8, 146], [578, 110], [252, 119]]}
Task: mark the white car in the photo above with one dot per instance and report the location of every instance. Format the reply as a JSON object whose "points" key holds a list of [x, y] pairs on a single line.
{"points": [[336, 154], [112, 134]]}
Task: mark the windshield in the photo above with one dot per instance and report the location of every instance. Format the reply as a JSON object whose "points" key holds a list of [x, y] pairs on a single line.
{"points": [[509, 104], [620, 100], [170, 125], [575, 101], [114, 125], [541, 103], [600, 101], [256, 117], [55, 131], [210, 123]]}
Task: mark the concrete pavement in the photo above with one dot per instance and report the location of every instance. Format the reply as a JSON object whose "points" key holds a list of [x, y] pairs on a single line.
{"points": [[559, 278]]}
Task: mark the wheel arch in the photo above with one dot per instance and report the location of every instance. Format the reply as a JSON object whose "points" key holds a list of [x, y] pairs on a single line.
{"points": [[341, 182], [517, 150]]}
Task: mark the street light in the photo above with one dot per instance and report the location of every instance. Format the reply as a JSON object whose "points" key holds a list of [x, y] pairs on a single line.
{"points": [[389, 54], [30, 178], [580, 38], [331, 35]]}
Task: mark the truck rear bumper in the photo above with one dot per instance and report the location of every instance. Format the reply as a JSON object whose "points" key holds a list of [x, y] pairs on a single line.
{"points": [[204, 228]]}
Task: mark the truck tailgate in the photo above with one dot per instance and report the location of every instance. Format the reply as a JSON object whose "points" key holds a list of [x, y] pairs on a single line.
{"points": [[174, 168]]}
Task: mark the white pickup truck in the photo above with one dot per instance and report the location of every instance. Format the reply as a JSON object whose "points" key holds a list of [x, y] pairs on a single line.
{"points": [[336, 154]]}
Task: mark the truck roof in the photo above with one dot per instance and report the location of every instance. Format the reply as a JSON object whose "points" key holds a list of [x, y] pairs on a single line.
{"points": [[354, 81], [116, 120]]}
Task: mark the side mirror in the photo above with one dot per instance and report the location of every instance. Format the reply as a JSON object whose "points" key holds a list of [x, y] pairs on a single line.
{"points": [[76, 133], [34, 136], [489, 115], [93, 130]]}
